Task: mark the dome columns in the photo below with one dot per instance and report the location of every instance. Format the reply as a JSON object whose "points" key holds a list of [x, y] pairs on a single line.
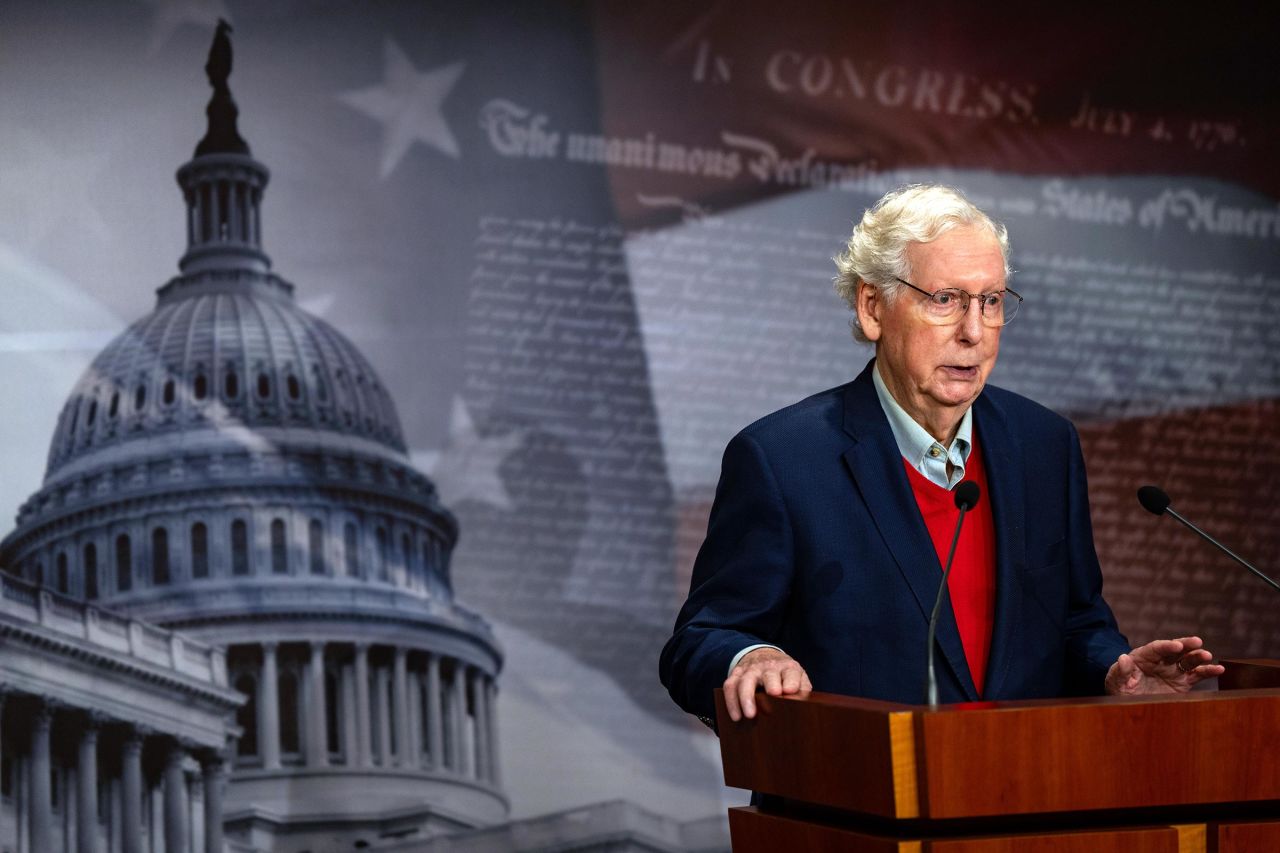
{"points": [[390, 708], [269, 709], [491, 717], [480, 694], [435, 725], [458, 758], [364, 720], [223, 193], [405, 754], [317, 722]]}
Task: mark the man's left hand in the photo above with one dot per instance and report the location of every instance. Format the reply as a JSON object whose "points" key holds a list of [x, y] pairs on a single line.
{"points": [[1162, 666]]}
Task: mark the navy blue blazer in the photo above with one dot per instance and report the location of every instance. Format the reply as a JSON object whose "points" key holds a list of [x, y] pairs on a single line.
{"points": [[815, 544]]}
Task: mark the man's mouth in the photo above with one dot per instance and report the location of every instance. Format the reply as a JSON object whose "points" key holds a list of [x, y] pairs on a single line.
{"points": [[960, 371]]}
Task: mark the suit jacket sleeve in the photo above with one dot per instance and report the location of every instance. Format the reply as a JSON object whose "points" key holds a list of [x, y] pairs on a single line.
{"points": [[741, 580], [1093, 641]]}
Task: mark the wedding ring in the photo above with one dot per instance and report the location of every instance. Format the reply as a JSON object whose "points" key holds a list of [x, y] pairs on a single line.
{"points": [[1182, 665]]}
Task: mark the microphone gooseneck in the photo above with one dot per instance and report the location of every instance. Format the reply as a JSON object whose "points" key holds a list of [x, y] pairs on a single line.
{"points": [[966, 497], [1154, 500]]}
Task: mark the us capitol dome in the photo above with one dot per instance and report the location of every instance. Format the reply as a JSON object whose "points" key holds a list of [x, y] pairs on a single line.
{"points": [[232, 468]]}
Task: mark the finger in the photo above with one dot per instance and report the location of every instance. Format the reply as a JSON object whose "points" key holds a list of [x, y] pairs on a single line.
{"points": [[731, 698], [1208, 670], [1181, 648], [1196, 658], [747, 694], [772, 682], [1158, 650], [1197, 654], [1116, 677], [805, 685], [1162, 654], [1186, 663], [1128, 671], [791, 679]]}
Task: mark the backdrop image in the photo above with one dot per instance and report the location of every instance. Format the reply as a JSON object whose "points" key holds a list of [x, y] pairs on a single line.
{"points": [[368, 369]]}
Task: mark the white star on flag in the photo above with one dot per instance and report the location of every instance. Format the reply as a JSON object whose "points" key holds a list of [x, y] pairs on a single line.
{"points": [[407, 104], [468, 468]]}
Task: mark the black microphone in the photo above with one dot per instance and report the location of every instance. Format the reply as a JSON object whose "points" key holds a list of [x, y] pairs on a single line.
{"points": [[1155, 501], [967, 494]]}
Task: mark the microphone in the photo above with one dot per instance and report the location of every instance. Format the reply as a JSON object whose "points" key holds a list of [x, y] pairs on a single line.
{"points": [[1155, 501], [967, 494]]}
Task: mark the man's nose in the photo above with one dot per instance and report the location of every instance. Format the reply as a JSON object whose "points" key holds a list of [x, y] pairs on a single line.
{"points": [[971, 326]]}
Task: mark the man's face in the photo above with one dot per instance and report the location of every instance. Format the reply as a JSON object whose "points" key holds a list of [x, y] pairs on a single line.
{"points": [[936, 372]]}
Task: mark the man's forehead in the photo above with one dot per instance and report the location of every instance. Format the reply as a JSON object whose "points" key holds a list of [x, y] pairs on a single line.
{"points": [[961, 233], [961, 244]]}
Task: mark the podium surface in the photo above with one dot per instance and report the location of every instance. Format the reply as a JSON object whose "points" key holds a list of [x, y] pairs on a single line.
{"points": [[1192, 772]]}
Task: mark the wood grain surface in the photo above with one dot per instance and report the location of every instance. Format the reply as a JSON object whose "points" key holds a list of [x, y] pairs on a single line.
{"points": [[753, 831], [1250, 674], [1009, 758]]}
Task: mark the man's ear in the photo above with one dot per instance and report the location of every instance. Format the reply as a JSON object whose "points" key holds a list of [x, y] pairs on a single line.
{"points": [[870, 306]]}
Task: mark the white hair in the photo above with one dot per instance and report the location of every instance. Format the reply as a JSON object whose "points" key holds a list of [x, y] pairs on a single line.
{"points": [[877, 251]]}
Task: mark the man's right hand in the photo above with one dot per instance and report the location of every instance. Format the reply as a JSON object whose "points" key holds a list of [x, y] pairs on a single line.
{"points": [[774, 670]]}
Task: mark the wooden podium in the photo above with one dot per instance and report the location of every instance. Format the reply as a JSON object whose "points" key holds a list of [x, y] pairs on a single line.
{"points": [[1197, 772]]}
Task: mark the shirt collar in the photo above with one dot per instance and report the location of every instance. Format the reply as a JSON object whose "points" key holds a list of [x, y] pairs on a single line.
{"points": [[925, 453]]}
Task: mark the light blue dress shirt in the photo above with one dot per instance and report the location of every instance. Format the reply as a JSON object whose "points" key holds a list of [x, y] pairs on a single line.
{"points": [[925, 453]]}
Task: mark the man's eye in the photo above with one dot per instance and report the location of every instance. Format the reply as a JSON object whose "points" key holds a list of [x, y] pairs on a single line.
{"points": [[992, 300], [944, 298]]}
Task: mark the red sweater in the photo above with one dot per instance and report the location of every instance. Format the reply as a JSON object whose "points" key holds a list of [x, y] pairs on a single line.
{"points": [[972, 585]]}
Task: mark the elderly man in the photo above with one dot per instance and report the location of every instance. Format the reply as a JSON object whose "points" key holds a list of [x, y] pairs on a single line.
{"points": [[833, 516]]}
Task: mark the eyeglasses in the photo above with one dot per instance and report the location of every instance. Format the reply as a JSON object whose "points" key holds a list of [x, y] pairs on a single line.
{"points": [[950, 304]]}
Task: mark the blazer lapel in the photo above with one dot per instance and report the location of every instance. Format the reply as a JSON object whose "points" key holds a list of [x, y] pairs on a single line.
{"points": [[1003, 452], [875, 463]]}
